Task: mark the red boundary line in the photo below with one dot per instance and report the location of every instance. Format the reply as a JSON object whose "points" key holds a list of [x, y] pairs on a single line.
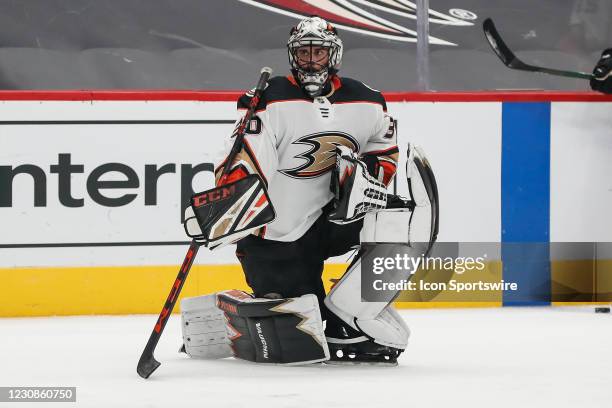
{"points": [[231, 96]]}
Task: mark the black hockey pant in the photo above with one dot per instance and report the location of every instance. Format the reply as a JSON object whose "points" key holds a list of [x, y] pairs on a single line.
{"points": [[292, 269]]}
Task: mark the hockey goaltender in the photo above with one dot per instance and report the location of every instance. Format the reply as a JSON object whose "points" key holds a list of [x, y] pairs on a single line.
{"points": [[320, 151]]}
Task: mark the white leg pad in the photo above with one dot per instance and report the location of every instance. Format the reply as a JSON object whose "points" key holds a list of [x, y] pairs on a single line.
{"points": [[388, 328], [204, 332], [346, 296], [377, 320]]}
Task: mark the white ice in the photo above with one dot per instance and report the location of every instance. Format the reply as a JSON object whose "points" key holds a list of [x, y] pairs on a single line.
{"points": [[510, 357]]}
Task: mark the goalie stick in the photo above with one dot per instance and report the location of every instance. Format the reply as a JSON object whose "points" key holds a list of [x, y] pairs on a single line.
{"points": [[511, 61], [147, 363]]}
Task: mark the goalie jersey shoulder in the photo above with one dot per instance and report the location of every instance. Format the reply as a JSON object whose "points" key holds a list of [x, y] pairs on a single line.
{"points": [[353, 91], [285, 89], [278, 89]]}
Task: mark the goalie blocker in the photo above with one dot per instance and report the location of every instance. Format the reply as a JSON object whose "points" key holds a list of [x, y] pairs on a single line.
{"points": [[225, 214], [234, 323]]}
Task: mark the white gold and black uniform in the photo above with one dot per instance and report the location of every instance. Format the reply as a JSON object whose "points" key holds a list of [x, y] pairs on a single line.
{"points": [[305, 178], [291, 144]]}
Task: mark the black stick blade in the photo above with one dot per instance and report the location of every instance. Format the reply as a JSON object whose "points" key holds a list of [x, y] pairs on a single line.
{"points": [[147, 365], [511, 61], [499, 46]]}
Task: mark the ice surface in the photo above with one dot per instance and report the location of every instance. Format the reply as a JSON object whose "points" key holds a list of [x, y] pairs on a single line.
{"points": [[510, 357]]}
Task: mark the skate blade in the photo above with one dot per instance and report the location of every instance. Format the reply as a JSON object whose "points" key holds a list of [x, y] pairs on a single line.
{"points": [[361, 363]]}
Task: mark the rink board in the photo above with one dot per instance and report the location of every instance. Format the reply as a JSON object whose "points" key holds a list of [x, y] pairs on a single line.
{"points": [[91, 221]]}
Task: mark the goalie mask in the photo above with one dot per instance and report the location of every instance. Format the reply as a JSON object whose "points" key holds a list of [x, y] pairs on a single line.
{"points": [[315, 54]]}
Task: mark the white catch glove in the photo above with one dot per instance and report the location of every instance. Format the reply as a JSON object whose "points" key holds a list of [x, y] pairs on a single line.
{"points": [[356, 191]]}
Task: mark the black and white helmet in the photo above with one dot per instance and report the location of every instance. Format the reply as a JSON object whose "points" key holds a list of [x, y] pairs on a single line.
{"points": [[313, 33]]}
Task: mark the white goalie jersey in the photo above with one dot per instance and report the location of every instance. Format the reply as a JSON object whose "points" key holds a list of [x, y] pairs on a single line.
{"points": [[292, 140]]}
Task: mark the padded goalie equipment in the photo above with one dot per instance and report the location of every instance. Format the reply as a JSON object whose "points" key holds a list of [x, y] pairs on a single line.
{"points": [[225, 214], [234, 323], [280, 331], [355, 191], [377, 320], [423, 190], [204, 332], [409, 231]]}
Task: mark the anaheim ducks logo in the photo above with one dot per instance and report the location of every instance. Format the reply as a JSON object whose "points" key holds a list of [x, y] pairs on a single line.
{"points": [[321, 156], [351, 15]]}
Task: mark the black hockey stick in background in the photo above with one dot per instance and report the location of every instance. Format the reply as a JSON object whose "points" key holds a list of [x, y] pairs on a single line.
{"points": [[511, 61], [147, 363]]}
